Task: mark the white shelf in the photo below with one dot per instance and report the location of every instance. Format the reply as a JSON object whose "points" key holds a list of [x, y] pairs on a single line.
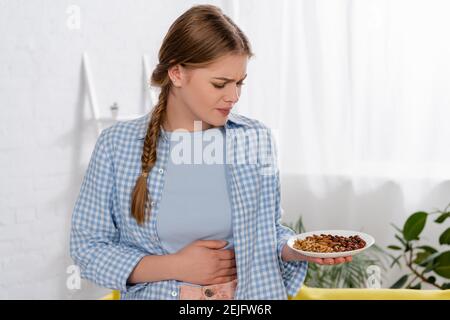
{"points": [[101, 120], [119, 118]]}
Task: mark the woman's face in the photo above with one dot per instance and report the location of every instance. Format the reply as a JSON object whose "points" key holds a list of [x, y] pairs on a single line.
{"points": [[203, 91]]}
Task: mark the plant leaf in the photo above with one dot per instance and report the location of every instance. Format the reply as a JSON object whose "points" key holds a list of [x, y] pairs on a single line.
{"points": [[428, 268], [442, 265], [421, 256], [401, 240], [400, 282], [396, 261], [397, 228], [445, 237], [417, 286], [430, 258], [442, 217], [427, 249], [414, 225], [392, 247]]}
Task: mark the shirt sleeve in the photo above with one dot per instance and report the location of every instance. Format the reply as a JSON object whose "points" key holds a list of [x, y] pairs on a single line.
{"points": [[94, 237], [293, 272]]}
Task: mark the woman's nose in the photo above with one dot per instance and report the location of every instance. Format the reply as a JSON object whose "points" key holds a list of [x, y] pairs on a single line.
{"points": [[233, 94]]}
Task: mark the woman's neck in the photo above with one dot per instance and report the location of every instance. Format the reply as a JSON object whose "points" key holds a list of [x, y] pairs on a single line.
{"points": [[179, 117]]}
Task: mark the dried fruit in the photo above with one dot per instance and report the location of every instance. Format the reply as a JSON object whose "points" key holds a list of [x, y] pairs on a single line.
{"points": [[326, 243]]}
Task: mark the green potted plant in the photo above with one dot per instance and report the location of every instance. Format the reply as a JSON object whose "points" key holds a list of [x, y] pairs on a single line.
{"points": [[423, 262]]}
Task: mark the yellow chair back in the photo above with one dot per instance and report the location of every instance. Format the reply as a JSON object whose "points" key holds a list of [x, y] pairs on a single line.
{"points": [[307, 293]]}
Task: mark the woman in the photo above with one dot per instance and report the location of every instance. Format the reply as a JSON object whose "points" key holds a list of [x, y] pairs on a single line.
{"points": [[154, 225]]}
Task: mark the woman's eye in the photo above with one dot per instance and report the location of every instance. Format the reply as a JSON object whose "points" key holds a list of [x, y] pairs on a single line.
{"points": [[223, 86]]}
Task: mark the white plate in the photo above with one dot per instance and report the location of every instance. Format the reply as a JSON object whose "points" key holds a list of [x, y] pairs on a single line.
{"points": [[346, 233]]}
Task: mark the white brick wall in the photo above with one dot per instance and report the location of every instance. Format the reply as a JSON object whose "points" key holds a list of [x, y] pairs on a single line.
{"points": [[45, 140]]}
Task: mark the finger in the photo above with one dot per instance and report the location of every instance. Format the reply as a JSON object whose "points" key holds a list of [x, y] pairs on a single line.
{"points": [[339, 260], [328, 261], [224, 279], [226, 254], [226, 264], [212, 244], [315, 260], [227, 272], [348, 258]]}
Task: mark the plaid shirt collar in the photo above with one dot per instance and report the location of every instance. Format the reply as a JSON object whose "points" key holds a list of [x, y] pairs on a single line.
{"points": [[143, 124]]}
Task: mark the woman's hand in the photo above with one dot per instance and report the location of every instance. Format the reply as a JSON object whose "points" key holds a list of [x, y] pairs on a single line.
{"points": [[291, 255], [202, 263], [327, 261]]}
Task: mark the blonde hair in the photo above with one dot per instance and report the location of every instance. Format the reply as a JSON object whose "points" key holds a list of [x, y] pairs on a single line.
{"points": [[197, 38]]}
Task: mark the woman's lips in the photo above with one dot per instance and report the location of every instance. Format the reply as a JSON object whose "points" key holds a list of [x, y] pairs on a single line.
{"points": [[224, 112]]}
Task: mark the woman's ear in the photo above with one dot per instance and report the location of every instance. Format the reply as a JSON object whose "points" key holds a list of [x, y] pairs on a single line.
{"points": [[177, 74], [174, 75]]}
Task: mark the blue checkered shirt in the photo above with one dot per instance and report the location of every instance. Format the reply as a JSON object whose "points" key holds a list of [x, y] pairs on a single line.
{"points": [[107, 243]]}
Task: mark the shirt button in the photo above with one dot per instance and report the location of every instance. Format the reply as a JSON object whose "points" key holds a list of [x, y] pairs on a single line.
{"points": [[209, 293], [174, 293], [161, 171], [152, 203]]}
